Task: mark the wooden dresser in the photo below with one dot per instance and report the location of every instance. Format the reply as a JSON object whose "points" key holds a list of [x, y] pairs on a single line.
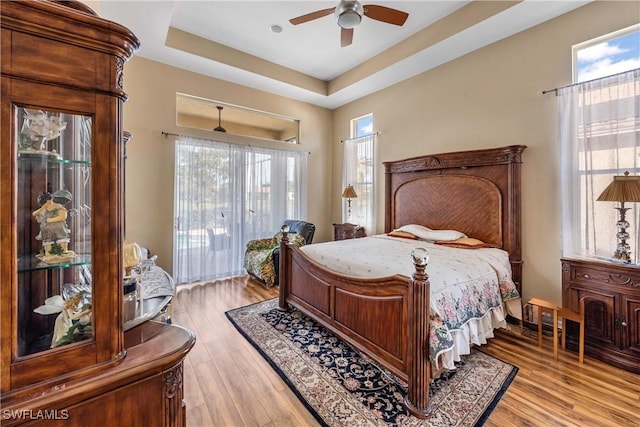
{"points": [[347, 231], [612, 309], [65, 358]]}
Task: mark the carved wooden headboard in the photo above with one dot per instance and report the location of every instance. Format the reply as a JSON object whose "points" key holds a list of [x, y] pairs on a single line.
{"points": [[476, 192]]}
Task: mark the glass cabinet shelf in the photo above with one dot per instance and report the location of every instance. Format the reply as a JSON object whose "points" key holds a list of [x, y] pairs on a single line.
{"points": [[31, 263], [50, 161]]}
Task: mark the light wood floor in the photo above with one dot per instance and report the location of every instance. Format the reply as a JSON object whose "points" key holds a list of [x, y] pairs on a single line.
{"points": [[227, 383]]}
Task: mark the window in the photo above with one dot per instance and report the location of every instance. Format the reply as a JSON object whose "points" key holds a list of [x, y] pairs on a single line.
{"points": [[225, 195], [611, 54], [599, 138], [358, 171], [362, 126]]}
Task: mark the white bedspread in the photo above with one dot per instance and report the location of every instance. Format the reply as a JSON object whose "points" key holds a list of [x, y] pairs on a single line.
{"points": [[468, 286]]}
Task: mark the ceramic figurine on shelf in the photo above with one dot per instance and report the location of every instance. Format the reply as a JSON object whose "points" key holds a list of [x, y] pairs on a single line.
{"points": [[37, 130], [74, 319], [54, 233]]}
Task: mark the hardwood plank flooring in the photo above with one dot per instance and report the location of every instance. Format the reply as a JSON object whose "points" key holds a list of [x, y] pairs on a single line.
{"points": [[227, 383]]}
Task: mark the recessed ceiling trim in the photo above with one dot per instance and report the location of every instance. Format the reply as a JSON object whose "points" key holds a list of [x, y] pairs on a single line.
{"points": [[211, 50], [326, 60], [508, 22], [463, 18]]}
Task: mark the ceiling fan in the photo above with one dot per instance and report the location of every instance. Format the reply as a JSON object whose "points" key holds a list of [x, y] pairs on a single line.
{"points": [[349, 14], [219, 128]]}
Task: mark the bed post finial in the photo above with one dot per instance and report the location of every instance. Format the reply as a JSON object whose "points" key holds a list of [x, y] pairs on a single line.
{"points": [[420, 260], [282, 273], [419, 365]]}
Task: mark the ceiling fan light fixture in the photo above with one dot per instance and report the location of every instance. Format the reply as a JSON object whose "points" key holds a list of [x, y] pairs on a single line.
{"points": [[349, 14], [219, 128]]}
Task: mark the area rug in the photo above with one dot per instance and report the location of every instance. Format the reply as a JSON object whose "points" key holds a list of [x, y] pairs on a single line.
{"points": [[341, 387]]}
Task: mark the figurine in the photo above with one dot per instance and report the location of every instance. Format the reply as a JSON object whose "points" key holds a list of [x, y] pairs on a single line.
{"points": [[54, 233], [74, 321], [37, 129]]}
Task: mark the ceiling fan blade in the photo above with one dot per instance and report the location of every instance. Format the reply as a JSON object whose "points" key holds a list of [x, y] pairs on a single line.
{"points": [[385, 14], [346, 36], [311, 16]]}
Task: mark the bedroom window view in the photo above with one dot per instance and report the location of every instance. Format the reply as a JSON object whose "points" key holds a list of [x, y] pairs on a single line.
{"points": [[358, 171], [225, 195], [600, 139]]}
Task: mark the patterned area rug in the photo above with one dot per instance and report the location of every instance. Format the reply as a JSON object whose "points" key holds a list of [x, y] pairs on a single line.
{"points": [[343, 388]]}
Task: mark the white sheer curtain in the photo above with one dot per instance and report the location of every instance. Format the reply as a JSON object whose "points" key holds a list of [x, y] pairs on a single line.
{"points": [[358, 170], [225, 195], [599, 131]]}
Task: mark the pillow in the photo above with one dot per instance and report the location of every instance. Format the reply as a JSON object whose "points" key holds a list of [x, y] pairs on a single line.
{"points": [[465, 243], [403, 234], [426, 233], [444, 235], [415, 229]]}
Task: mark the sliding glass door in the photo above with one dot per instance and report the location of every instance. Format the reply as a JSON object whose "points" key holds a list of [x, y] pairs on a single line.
{"points": [[225, 195]]}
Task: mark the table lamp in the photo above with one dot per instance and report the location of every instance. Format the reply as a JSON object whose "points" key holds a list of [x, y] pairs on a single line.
{"points": [[132, 256], [623, 188], [349, 193]]}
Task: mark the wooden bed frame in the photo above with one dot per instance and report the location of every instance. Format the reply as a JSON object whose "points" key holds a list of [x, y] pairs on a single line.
{"points": [[387, 319]]}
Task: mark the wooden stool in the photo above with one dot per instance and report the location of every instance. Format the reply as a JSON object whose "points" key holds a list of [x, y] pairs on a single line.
{"points": [[546, 305], [565, 314], [568, 314]]}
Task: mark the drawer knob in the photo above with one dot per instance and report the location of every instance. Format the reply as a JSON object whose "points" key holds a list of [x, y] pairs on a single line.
{"points": [[586, 276], [624, 324]]}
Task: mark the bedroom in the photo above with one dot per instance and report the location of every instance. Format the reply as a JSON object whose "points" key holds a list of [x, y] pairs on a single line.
{"points": [[490, 98], [494, 92], [487, 98]]}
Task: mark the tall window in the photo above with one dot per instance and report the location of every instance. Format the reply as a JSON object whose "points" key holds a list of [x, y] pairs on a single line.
{"points": [[225, 195], [600, 137], [358, 171]]}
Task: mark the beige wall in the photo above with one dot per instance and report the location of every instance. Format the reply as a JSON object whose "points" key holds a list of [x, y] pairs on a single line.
{"points": [[152, 89], [491, 98]]}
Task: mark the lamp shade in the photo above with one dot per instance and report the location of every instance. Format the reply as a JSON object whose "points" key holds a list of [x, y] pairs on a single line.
{"points": [[132, 255], [623, 188], [349, 192]]}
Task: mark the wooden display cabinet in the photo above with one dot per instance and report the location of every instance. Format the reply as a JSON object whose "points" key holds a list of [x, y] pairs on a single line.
{"points": [[63, 348], [611, 292]]}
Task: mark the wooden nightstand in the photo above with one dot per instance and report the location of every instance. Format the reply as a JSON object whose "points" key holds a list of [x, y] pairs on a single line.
{"points": [[347, 231], [611, 295]]}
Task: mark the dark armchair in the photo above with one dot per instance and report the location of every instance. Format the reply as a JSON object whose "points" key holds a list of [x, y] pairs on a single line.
{"points": [[262, 256]]}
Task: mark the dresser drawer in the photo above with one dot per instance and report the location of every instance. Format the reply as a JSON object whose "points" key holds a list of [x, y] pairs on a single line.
{"points": [[583, 274], [587, 275]]}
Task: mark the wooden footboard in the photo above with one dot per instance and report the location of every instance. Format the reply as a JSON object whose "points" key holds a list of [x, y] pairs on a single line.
{"points": [[386, 319]]}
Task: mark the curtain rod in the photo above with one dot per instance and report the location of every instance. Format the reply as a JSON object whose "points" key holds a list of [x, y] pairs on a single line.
{"points": [[363, 136], [168, 134], [544, 92]]}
